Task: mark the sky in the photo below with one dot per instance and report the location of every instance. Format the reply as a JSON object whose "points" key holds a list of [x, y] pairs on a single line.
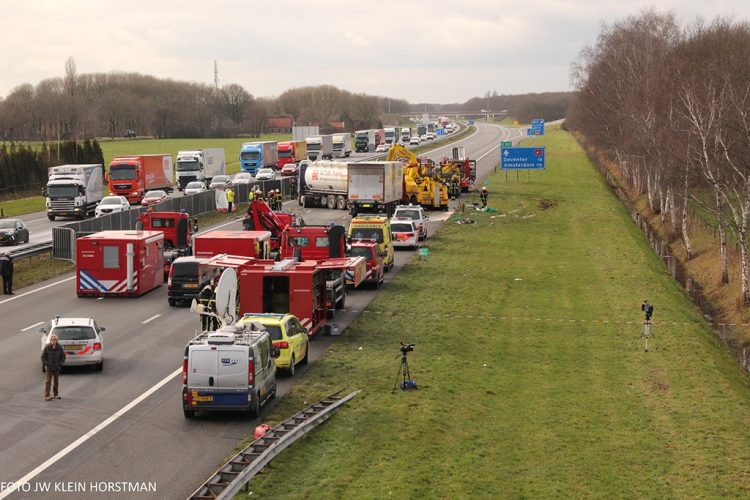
{"points": [[432, 51]]}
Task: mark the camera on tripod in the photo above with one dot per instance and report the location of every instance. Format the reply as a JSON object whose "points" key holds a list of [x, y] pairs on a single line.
{"points": [[403, 371], [406, 347]]}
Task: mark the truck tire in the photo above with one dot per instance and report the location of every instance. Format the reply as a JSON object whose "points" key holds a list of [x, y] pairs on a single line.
{"points": [[172, 302], [51, 217], [340, 202], [331, 202]]}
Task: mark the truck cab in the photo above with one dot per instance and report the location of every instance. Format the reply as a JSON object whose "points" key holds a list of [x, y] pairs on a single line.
{"points": [[178, 229], [370, 251]]}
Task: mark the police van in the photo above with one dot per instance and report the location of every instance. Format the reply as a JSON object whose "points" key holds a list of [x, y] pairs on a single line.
{"points": [[231, 369]]}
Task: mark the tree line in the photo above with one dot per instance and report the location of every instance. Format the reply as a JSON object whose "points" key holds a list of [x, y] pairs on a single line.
{"points": [[669, 106]]}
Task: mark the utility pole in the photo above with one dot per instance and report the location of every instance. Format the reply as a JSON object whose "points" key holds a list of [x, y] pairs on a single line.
{"points": [[216, 75]]}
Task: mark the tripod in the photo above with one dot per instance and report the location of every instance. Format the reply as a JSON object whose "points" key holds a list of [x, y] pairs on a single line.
{"points": [[646, 331], [403, 371]]}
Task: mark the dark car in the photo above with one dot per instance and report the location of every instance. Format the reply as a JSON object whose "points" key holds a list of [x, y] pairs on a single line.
{"points": [[13, 231]]}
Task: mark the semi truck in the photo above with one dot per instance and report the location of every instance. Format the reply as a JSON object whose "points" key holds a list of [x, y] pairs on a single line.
{"points": [[374, 187], [421, 129], [379, 136], [405, 135], [291, 152], [364, 141], [302, 133], [342, 145], [73, 190], [132, 176], [391, 135], [256, 155], [323, 184], [200, 165], [320, 147]]}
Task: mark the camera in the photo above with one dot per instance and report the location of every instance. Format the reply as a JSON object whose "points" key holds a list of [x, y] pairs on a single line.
{"points": [[406, 347]]}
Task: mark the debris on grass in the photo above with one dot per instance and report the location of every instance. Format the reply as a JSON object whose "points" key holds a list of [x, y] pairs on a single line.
{"points": [[546, 203]]}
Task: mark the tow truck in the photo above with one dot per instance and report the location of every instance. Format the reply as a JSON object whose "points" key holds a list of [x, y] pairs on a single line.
{"points": [[178, 229], [422, 181]]}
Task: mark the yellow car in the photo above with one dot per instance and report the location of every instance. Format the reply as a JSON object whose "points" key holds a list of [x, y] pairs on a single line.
{"points": [[288, 335]]}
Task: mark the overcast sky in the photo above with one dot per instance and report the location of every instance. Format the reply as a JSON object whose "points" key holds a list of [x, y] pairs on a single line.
{"points": [[430, 50]]}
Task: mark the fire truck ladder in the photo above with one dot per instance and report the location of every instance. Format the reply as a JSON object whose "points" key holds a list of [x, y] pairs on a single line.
{"points": [[240, 469]]}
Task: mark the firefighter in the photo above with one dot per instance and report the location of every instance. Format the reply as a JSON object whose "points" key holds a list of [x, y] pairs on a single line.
{"points": [[279, 200], [483, 196], [206, 299]]}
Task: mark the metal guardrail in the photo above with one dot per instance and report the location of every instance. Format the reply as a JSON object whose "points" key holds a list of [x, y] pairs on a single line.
{"points": [[240, 469], [30, 250]]}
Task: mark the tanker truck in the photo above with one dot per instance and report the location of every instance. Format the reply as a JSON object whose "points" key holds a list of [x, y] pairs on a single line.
{"points": [[323, 184]]}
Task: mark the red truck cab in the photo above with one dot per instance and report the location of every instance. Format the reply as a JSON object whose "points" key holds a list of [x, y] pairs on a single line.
{"points": [[374, 273], [132, 176], [178, 229]]}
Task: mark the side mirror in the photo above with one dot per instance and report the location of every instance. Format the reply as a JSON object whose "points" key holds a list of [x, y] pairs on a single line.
{"points": [[426, 216], [42, 329], [102, 329], [275, 352]]}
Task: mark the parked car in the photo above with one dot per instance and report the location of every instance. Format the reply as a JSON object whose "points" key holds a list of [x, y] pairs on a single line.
{"points": [[220, 182], [414, 141], [382, 148], [290, 169], [288, 334], [81, 338], [417, 214], [242, 178], [405, 233], [154, 197], [13, 231], [112, 204], [194, 187], [265, 174]]}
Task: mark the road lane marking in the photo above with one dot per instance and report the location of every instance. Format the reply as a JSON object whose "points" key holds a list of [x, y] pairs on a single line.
{"points": [[78, 442], [149, 320], [16, 297], [32, 326]]}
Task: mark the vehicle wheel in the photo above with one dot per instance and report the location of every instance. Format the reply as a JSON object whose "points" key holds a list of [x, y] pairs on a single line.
{"points": [[13, 241], [188, 413], [331, 202], [27, 239], [341, 202], [290, 370], [255, 409], [172, 302], [301, 200], [307, 355], [51, 217], [100, 366]]}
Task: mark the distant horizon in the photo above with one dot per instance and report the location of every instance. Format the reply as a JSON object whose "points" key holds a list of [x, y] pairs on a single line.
{"points": [[449, 54]]}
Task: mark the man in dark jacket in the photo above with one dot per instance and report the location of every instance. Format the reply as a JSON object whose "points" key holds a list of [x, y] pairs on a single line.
{"points": [[53, 359], [6, 270]]}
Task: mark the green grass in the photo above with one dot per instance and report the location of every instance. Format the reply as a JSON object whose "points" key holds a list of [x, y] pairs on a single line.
{"points": [[20, 206], [31, 270], [533, 380]]}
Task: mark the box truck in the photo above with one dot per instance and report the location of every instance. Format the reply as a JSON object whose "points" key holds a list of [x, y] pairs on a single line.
{"points": [[291, 152], [119, 263], [320, 147], [256, 155], [323, 183], [73, 190], [364, 141], [406, 135], [342, 145], [391, 135], [374, 187], [132, 176], [200, 165], [302, 133]]}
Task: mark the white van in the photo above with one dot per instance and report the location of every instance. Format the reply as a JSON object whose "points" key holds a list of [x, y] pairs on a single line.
{"points": [[231, 369]]}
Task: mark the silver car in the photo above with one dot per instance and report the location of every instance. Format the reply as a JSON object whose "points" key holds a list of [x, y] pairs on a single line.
{"points": [[81, 338], [194, 187], [220, 182], [265, 174], [242, 178]]}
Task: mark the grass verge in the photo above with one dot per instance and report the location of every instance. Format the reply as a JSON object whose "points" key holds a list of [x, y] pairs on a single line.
{"points": [[533, 379], [20, 206]]}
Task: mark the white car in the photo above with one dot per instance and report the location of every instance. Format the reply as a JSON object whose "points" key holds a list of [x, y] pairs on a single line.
{"points": [[405, 233], [194, 187], [265, 174], [382, 148], [111, 205], [220, 182], [242, 178], [423, 137], [80, 338], [430, 136], [416, 214], [414, 141]]}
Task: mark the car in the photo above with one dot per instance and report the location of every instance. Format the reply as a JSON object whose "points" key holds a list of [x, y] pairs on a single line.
{"points": [[242, 178], [423, 138], [13, 231], [414, 141], [220, 182], [289, 170], [373, 258], [382, 148], [417, 214], [112, 204], [81, 338], [430, 136], [194, 187], [265, 174], [154, 197], [288, 335], [405, 233]]}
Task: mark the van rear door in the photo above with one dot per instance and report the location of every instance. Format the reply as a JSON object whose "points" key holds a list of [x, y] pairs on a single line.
{"points": [[233, 376], [203, 363]]}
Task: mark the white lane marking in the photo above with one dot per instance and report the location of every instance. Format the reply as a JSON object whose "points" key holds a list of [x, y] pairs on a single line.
{"points": [[149, 320], [32, 326], [78, 442], [16, 297], [36, 220]]}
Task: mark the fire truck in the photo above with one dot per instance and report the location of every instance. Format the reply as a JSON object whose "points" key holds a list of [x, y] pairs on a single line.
{"points": [[178, 229], [459, 168], [245, 243]]}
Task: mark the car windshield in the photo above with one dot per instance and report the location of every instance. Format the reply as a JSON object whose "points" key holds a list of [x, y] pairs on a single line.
{"points": [[194, 185], [62, 191], [412, 214], [401, 227], [264, 171], [182, 269], [188, 165], [220, 178], [111, 201], [155, 194], [240, 177], [119, 172], [368, 233], [7, 224], [250, 155], [274, 331], [360, 252], [73, 332]]}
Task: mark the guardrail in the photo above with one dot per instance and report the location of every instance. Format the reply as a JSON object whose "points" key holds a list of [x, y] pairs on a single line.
{"points": [[30, 250]]}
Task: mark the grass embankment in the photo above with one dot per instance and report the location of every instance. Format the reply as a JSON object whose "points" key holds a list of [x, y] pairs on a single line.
{"points": [[20, 206], [533, 379]]}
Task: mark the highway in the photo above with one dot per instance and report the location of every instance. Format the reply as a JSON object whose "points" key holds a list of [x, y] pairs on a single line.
{"points": [[125, 424]]}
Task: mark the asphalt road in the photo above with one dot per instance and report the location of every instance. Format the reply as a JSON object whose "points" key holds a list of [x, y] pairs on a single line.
{"points": [[126, 423]]}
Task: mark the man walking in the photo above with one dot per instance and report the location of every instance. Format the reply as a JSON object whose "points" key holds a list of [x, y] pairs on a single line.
{"points": [[6, 270], [53, 359], [230, 199]]}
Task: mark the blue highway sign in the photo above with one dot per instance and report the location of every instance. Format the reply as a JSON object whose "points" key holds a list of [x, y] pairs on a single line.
{"points": [[522, 158], [537, 126]]}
